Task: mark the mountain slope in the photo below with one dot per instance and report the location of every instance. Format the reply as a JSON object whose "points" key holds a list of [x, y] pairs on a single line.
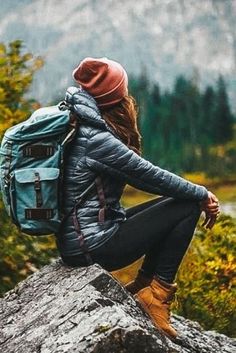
{"points": [[167, 37]]}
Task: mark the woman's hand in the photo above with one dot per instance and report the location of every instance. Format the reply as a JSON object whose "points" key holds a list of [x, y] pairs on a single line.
{"points": [[211, 208]]}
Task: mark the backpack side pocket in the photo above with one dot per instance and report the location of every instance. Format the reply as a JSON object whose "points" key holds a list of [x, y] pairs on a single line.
{"points": [[35, 200]]}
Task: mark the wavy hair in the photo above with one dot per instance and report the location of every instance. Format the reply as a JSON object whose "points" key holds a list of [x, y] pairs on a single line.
{"points": [[122, 118]]}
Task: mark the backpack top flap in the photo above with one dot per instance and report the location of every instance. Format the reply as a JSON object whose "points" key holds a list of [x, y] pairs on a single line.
{"points": [[44, 122]]}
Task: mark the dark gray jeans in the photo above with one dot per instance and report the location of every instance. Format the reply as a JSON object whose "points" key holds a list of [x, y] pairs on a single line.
{"points": [[161, 229]]}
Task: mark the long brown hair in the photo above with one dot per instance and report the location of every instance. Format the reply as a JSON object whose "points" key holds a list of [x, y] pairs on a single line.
{"points": [[122, 118]]}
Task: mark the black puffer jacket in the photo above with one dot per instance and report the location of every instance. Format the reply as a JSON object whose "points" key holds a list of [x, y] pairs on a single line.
{"points": [[96, 150]]}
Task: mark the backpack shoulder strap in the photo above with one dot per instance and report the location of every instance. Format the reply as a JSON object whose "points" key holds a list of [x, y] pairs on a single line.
{"points": [[102, 199]]}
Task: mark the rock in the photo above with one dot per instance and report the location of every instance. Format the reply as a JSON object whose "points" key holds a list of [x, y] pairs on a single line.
{"points": [[85, 310]]}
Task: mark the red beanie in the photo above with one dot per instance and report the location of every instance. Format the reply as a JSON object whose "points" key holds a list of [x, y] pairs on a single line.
{"points": [[106, 80]]}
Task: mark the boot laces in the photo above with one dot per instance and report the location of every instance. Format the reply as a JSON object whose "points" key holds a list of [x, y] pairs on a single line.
{"points": [[172, 297]]}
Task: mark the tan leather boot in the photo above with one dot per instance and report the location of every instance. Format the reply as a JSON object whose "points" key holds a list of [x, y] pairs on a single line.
{"points": [[141, 281], [156, 300]]}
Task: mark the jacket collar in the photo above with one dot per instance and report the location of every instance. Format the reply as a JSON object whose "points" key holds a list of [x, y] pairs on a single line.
{"points": [[85, 106]]}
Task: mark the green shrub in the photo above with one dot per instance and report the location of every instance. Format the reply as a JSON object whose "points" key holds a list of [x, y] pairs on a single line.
{"points": [[20, 254], [206, 278]]}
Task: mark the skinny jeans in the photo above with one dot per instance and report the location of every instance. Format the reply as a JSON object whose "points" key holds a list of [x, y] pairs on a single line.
{"points": [[161, 229]]}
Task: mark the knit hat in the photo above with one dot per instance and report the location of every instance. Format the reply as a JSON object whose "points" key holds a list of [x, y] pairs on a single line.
{"points": [[106, 80]]}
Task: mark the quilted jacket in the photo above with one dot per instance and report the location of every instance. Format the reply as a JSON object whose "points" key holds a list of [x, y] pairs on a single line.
{"points": [[97, 150]]}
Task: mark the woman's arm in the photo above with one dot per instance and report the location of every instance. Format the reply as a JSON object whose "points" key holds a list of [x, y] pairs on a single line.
{"points": [[106, 153]]}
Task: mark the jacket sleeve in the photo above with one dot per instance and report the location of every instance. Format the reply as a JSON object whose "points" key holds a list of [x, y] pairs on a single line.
{"points": [[107, 154]]}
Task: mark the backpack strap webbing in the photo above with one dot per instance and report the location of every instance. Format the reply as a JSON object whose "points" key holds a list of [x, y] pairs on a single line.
{"points": [[101, 215], [76, 223], [8, 153], [102, 199], [81, 239], [7, 169]]}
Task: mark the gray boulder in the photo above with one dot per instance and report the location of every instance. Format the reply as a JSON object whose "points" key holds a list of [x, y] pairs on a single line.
{"points": [[86, 310]]}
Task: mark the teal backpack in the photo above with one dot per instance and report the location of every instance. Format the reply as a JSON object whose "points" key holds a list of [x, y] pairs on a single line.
{"points": [[31, 169]]}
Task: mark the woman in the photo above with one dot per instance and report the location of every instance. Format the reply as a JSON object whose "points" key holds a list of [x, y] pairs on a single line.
{"points": [[107, 150]]}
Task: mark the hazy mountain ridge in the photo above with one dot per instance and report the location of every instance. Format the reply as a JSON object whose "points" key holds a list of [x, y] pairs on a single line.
{"points": [[168, 37]]}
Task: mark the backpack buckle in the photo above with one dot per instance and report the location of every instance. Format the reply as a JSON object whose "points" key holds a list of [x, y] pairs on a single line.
{"points": [[37, 188], [37, 185], [38, 151]]}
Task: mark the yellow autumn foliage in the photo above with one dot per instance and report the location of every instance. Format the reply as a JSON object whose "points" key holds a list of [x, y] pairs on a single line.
{"points": [[19, 254], [16, 75]]}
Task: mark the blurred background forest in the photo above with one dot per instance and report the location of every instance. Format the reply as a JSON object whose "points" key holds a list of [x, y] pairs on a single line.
{"points": [[188, 128]]}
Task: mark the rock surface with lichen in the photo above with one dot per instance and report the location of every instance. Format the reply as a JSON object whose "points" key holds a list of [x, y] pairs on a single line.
{"points": [[64, 309]]}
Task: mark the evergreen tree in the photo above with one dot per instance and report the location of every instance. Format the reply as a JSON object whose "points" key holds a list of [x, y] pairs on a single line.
{"points": [[223, 121], [155, 94], [181, 127], [153, 101], [207, 116]]}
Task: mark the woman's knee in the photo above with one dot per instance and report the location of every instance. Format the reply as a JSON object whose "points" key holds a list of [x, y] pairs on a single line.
{"points": [[189, 207], [194, 208]]}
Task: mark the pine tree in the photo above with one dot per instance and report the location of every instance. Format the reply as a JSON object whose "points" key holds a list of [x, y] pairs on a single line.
{"points": [[223, 119], [207, 116]]}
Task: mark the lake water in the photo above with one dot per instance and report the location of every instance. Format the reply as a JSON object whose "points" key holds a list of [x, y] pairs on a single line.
{"points": [[228, 208]]}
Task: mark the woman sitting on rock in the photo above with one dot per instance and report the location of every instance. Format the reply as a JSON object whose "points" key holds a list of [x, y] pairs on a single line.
{"points": [[106, 149]]}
